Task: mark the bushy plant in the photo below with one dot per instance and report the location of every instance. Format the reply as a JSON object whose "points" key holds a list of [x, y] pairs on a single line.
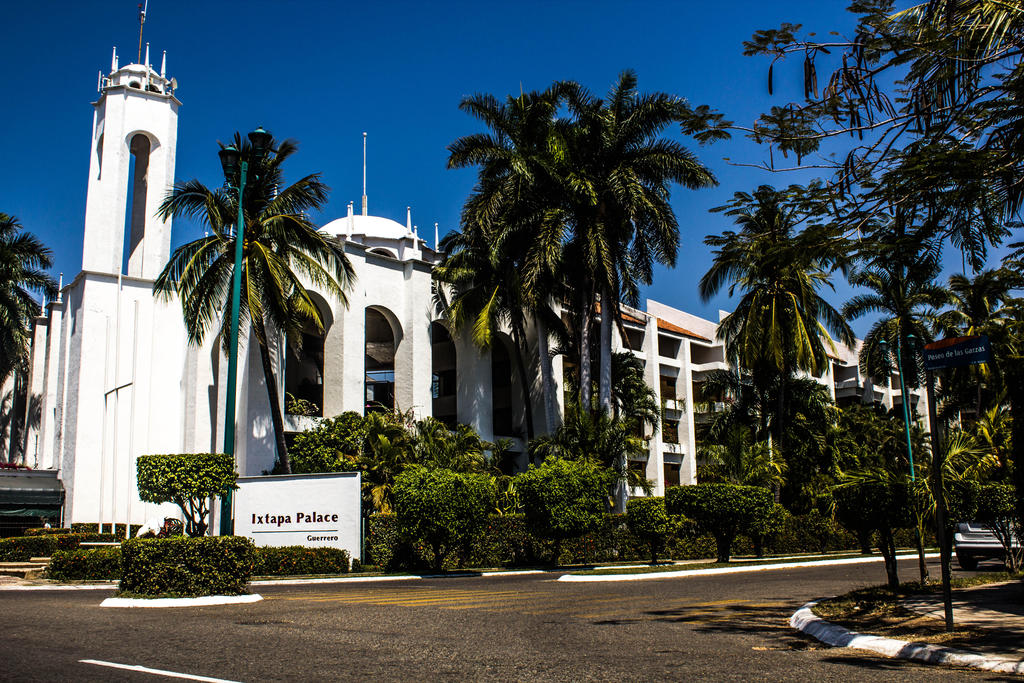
{"points": [[186, 567], [722, 510], [47, 532], [997, 507], [333, 446], [648, 520], [94, 528], [441, 508], [761, 529], [297, 559], [22, 548], [94, 564], [563, 498], [187, 480]]}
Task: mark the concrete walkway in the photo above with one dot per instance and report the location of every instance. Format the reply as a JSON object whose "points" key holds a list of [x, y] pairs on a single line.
{"points": [[997, 607]]}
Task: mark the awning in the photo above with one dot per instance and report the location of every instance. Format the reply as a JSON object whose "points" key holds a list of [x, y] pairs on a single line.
{"points": [[30, 490], [30, 512]]}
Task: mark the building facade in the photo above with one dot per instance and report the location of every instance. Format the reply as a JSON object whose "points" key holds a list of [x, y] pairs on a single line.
{"points": [[114, 376]]}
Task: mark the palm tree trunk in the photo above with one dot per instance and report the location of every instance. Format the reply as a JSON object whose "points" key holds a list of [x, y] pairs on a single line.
{"points": [[276, 416], [584, 374], [547, 378], [521, 352], [604, 380]]}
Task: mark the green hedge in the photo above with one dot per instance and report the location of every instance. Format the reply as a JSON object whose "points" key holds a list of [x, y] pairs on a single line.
{"points": [[42, 531], [297, 559], [93, 564], [507, 542], [21, 548], [186, 567]]}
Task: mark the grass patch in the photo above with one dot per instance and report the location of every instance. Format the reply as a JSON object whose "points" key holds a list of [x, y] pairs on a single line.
{"points": [[879, 611]]}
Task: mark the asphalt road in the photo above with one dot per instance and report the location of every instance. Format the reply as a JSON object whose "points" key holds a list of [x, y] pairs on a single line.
{"points": [[729, 627]]}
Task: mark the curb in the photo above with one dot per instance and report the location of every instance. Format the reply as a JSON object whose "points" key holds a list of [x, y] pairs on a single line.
{"points": [[805, 621], [406, 577], [182, 602], [728, 570]]}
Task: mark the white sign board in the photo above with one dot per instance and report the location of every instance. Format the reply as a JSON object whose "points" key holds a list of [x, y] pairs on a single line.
{"points": [[314, 510]]}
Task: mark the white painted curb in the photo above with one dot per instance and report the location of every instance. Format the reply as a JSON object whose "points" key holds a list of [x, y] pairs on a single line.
{"points": [[808, 622], [182, 602], [726, 570]]}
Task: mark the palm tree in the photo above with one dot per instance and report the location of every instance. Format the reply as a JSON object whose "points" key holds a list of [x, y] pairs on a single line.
{"points": [[281, 252], [616, 176], [388, 448], [980, 306], [513, 209], [23, 261], [738, 459], [633, 399], [781, 324]]}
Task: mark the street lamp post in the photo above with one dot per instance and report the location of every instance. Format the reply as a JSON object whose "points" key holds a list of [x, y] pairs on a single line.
{"points": [[903, 395], [235, 164]]}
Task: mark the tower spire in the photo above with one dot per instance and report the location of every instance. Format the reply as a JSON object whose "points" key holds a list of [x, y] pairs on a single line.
{"points": [[435, 238], [142, 22], [364, 173]]}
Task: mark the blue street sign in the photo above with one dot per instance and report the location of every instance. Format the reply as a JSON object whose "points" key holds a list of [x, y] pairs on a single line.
{"points": [[957, 352]]}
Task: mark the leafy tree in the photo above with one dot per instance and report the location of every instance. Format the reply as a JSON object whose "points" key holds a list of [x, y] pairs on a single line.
{"points": [[997, 508], [282, 250], [563, 498], [441, 508], [740, 460], [23, 261], [647, 519], [722, 510], [189, 481], [633, 400], [333, 445], [460, 449], [881, 506]]}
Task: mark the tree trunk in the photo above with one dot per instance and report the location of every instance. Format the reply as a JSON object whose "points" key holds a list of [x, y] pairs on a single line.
{"points": [[547, 377], [521, 353], [604, 379], [276, 416], [1016, 455], [887, 546], [723, 544], [922, 565], [584, 373]]}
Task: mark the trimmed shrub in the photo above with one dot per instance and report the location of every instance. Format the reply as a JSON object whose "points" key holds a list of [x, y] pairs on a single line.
{"points": [[94, 564], [563, 499], [46, 532], [443, 509], [22, 548], [189, 481], [722, 510], [332, 446], [297, 559], [186, 567], [647, 520], [72, 541]]}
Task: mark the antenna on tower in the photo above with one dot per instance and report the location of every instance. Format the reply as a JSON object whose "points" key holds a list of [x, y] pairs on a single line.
{"points": [[364, 173], [435, 238], [142, 22]]}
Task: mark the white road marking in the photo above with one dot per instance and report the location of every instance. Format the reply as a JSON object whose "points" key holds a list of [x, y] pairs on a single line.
{"points": [[155, 672]]}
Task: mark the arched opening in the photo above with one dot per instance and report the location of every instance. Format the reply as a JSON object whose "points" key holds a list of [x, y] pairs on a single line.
{"points": [[304, 368], [135, 216], [445, 402], [503, 409], [386, 253], [379, 362]]}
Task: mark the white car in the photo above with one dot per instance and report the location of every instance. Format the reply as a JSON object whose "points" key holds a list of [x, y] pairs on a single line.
{"points": [[973, 542]]}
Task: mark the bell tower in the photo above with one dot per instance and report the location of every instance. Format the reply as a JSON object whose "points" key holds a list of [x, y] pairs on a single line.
{"points": [[131, 167]]}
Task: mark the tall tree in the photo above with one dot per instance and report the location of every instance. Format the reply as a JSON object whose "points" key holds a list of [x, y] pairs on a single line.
{"points": [[617, 175], [23, 263], [781, 324], [282, 252]]}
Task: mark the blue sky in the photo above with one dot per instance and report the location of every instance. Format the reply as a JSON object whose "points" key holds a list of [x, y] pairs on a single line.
{"points": [[324, 72]]}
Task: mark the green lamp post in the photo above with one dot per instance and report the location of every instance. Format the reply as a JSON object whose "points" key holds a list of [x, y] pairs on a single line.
{"points": [[884, 345], [236, 166]]}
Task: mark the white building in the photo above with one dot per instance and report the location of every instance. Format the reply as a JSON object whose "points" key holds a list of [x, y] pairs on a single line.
{"points": [[115, 377]]}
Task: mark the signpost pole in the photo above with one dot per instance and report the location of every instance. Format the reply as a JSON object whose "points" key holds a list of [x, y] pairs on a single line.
{"points": [[938, 461]]}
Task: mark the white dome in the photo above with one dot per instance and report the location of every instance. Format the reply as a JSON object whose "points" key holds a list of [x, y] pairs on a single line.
{"points": [[371, 226]]}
